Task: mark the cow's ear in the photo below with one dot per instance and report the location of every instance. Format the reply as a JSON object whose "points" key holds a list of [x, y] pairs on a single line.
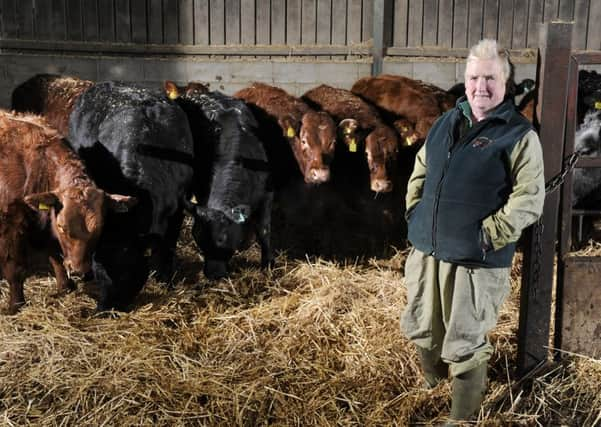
{"points": [[171, 89], [289, 127], [119, 203], [42, 201], [348, 126]]}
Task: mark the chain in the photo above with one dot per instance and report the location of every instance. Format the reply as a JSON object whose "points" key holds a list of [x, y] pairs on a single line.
{"points": [[553, 184]]}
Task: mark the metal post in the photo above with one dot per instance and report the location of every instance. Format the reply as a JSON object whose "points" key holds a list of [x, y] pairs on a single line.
{"points": [[382, 33]]}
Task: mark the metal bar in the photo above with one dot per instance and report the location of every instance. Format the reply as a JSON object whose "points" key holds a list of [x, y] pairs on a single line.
{"points": [[538, 270], [164, 49], [382, 33]]}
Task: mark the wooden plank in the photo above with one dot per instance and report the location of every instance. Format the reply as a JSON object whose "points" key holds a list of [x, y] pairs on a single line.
{"points": [[138, 21], [430, 23], [382, 36], [519, 55], [122, 21], [25, 19], [505, 30], [593, 35], [579, 320], [74, 20], [59, 24], [339, 21], [460, 24], [550, 11], [566, 10], [106, 20], [263, 22], [186, 21], [201, 22], [293, 22], [520, 25], [354, 21], [155, 21], [247, 22], [401, 10], [445, 23], [90, 20], [170, 24], [491, 19], [367, 19], [42, 19], [580, 24], [278, 22], [538, 264], [535, 19], [232, 21], [308, 22], [324, 22], [476, 20], [414, 26], [217, 22], [8, 9]]}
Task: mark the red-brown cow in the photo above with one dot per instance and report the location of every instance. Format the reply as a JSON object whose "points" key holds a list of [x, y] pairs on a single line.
{"points": [[310, 134], [360, 123], [419, 102], [50, 96], [47, 204]]}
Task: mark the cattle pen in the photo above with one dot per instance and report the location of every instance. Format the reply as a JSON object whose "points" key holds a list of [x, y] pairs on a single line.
{"points": [[314, 340]]}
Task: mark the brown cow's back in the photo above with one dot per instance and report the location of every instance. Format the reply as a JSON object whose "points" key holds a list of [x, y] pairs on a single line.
{"points": [[51, 96]]}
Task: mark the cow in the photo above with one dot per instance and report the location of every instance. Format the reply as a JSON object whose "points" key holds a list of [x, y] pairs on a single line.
{"points": [[362, 130], [232, 186], [414, 100], [137, 142], [48, 205], [52, 96], [285, 120]]}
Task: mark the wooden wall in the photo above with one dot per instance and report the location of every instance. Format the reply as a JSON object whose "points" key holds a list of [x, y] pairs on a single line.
{"points": [[207, 26]]}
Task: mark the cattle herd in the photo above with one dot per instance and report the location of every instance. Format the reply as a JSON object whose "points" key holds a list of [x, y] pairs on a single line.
{"points": [[97, 177]]}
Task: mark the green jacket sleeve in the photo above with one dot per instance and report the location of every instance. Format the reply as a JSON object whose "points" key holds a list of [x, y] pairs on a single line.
{"points": [[416, 181], [525, 203]]}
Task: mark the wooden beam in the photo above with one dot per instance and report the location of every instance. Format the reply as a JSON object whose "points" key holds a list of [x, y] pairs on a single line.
{"points": [[540, 249], [170, 49]]}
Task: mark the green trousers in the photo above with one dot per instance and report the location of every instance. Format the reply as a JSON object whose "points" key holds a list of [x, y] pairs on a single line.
{"points": [[451, 309]]}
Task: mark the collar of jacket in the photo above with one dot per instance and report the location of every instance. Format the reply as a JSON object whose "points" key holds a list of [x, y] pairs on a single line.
{"points": [[503, 111]]}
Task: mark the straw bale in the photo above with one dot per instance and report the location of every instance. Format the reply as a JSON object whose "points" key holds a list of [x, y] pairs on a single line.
{"points": [[310, 342]]}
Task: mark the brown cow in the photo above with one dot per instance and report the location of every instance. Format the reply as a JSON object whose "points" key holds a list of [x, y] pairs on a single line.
{"points": [[419, 102], [360, 123], [47, 204], [51, 96], [310, 134]]}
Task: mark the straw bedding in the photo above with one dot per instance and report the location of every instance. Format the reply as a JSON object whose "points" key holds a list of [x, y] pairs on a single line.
{"points": [[311, 342]]}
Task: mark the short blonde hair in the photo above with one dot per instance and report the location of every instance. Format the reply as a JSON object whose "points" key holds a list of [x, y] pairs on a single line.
{"points": [[489, 49]]}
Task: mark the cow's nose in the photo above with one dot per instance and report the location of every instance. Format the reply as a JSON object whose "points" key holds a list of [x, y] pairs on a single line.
{"points": [[76, 272], [317, 176], [381, 185]]}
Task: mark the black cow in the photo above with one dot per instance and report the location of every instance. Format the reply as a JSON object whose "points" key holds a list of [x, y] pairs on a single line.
{"points": [[135, 142], [232, 184]]}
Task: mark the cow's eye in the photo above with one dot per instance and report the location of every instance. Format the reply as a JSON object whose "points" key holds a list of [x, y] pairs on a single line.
{"points": [[60, 228]]}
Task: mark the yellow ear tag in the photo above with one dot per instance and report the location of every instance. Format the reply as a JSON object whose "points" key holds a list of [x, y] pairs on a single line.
{"points": [[352, 147], [193, 200], [598, 105], [347, 131], [172, 94], [290, 132], [43, 207]]}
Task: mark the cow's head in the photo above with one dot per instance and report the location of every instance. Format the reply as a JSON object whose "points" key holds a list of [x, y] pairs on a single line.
{"points": [[313, 143], [173, 91], [381, 149], [77, 218], [218, 234]]}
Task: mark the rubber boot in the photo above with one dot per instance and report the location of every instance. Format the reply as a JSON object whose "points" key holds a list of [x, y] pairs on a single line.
{"points": [[435, 370], [468, 393]]}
